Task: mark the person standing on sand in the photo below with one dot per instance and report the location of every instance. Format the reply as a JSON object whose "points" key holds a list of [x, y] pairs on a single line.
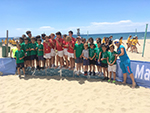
{"points": [[124, 62], [128, 42], [110, 40]]}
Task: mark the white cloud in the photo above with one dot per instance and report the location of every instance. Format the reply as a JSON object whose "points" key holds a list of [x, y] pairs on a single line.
{"points": [[18, 29], [93, 27], [111, 23], [46, 28]]}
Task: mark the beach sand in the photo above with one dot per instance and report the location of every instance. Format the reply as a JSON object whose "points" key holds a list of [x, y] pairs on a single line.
{"points": [[54, 94]]}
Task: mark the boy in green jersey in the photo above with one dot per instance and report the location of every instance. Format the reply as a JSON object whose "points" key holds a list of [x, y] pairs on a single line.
{"points": [[40, 54], [21, 42], [26, 49], [103, 56], [112, 62], [19, 54], [77, 54], [98, 50], [29, 36], [92, 55], [33, 52]]}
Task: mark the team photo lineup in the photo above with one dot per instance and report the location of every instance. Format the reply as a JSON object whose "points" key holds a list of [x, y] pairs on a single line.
{"points": [[78, 54]]}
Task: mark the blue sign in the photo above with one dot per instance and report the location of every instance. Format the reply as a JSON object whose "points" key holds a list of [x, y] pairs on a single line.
{"points": [[141, 72], [7, 66]]}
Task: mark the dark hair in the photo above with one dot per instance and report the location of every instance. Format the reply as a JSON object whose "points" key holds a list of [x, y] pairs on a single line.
{"points": [[28, 32], [70, 32], [43, 35], [65, 35], [91, 44], [39, 39], [21, 38], [91, 39], [49, 36], [104, 45], [23, 35], [98, 40], [83, 39], [58, 33], [38, 36], [121, 38]]}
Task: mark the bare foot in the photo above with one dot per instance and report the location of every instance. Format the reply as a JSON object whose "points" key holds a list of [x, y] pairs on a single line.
{"points": [[124, 82], [133, 85], [56, 67]]}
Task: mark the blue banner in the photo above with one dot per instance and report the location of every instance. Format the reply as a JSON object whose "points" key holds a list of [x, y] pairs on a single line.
{"points": [[7, 66], [141, 72], [140, 69]]}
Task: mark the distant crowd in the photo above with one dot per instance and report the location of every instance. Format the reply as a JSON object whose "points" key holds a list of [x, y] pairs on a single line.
{"points": [[65, 51]]}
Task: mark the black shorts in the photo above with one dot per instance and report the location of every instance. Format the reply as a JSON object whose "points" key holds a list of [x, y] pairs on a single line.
{"points": [[86, 62], [40, 58], [37, 58], [92, 62], [104, 65], [20, 65], [44, 58], [79, 60], [33, 57], [26, 58]]}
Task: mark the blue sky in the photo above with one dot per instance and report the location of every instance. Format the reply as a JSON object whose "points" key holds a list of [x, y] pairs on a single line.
{"points": [[95, 16]]}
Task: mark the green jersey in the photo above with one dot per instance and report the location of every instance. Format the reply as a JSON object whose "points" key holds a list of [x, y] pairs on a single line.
{"points": [[33, 46], [98, 50], [78, 49], [111, 56], [25, 47], [91, 52], [40, 53], [104, 55], [95, 45], [29, 40], [22, 44], [19, 54]]}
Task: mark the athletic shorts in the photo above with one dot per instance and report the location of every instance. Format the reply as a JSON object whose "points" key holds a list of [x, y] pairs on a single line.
{"points": [[27, 58], [60, 53], [79, 60], [53, 52], [65, 51], [47, 55], [112, 68], [92, 62], [70, 55], [37, 58], [20, 65], [33, 57], [98, 63], [125, 66], [86, 62], [104, 65], [40, 58]]}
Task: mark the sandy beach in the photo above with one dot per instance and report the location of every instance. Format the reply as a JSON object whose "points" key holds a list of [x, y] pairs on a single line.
{"points": [[54, 94]]}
